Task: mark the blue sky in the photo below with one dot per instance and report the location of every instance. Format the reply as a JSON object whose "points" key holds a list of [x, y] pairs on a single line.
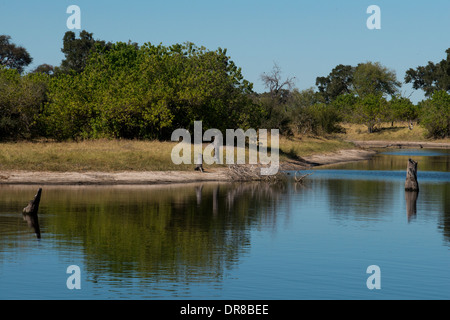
{"points": [[305, 38]]}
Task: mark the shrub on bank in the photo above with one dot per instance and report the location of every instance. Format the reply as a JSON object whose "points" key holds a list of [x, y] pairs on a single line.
{"points": [[435, 115]]}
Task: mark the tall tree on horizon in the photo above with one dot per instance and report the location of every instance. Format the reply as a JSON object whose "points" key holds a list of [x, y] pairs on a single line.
{"points": [[372, 78], [13, 56], [77, 50], [432, 77], [338, 82]]}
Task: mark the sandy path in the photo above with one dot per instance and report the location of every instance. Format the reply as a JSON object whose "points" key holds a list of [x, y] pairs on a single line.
{"points": [[340, 156]]}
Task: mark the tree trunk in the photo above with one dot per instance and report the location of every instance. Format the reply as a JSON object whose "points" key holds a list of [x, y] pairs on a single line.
{"points": [[30, 215], [411, 183]]}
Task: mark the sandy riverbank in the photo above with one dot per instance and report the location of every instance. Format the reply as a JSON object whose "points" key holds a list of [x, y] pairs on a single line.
{"points": [[362, 151], [402, 144], [165, 177], [110, 178]]}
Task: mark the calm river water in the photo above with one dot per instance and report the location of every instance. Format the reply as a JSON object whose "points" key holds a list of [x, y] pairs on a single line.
{"points": [[238, 241]]}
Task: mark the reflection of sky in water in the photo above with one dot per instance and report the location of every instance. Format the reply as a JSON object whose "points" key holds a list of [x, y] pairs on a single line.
{"points": [[417, 152], [424, 176], [396, 160]]}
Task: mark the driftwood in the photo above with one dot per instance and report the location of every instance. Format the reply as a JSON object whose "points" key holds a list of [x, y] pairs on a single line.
{"points": [[411, 183], [301, 178], [252, 173], [30, 213]]}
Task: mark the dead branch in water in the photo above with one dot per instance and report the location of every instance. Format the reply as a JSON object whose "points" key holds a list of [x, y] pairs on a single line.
{"points": [[30, 213], [301, 178], [252, 173]]}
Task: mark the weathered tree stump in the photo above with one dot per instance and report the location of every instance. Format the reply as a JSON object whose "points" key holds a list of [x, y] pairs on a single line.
{"points": [[411, 183], [30, 215]]}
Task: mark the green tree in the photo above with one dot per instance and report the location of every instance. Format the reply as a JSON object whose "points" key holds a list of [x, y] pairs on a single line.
{"points": [[310, 115], [77, 50], [13, 56], [21, 101], [358, 94], [337, 83], [370, 110], [373, 79], [432, 77], [435, 114], [402, 109], [345, 104], [276, 102], [44, 68]]}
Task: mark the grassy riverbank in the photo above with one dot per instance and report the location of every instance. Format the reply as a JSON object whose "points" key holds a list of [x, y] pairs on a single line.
{"points": [[140, 156], [129, 155]]}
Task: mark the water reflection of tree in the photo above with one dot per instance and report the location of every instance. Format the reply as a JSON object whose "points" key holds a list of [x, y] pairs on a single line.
{"points": [[371, 199], [368, 199], [411, 204], [444, 223], [173, 233], [398, 162]]}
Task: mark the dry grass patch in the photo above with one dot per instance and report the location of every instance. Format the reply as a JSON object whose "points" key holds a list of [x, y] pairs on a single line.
{"points": [[386, 132], [131, 155], [97, 155], [295, 147]]}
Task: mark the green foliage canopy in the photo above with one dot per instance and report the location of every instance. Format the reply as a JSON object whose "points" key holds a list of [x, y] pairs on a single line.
{"points": [[432, 77], [21, 101], [13, 56], [374, 79], [146, 92], [435, 115], [338, 82]]}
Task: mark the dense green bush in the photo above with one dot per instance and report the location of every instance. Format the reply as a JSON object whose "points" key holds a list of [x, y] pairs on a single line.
{"points": [[21, 101], [309, 115], [435, 115], [147, 92]]}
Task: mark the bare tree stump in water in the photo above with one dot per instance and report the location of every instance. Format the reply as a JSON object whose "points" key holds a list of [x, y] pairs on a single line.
{"points": [[411, 183], [30, 213]]}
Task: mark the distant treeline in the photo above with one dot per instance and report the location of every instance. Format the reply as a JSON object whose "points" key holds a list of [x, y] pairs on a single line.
{"points": [[124, 90]]}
